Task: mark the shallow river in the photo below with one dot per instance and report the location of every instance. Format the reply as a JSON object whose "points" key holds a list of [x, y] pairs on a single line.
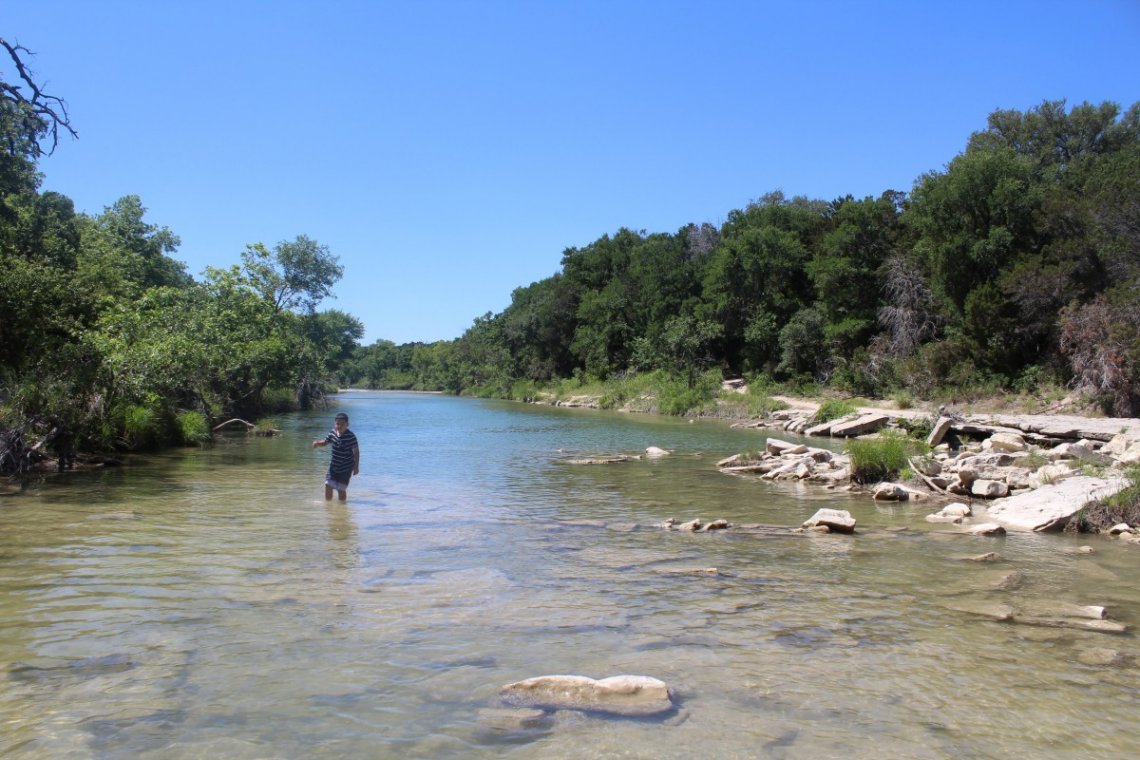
{"points": [[209, 603]]}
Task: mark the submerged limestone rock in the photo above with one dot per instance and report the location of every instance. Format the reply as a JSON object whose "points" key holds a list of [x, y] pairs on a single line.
{"points": [[986, 529], [513, 719], [836, 520], [624, 695]]}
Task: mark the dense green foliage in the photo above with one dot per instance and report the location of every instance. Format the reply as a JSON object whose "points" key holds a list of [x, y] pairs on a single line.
{"points": [[1016, 265], [106, 340]]}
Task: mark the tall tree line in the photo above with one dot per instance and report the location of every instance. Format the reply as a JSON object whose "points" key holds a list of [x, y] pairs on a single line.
{"points": [[1017, 263]]}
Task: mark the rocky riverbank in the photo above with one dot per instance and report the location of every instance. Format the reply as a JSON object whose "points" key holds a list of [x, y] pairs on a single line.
{"points": [[1026, 472], [1020, 471]]}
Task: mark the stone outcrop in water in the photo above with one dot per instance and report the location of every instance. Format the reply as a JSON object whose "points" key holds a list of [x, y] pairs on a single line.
{"points": [[652, 452], [782, 460], [696, 525], [833, 520], [600, 459], [513, 719], [625, 695]]}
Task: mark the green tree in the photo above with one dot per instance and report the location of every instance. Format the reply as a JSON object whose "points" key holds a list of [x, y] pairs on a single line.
{"points": [[538, 327], [665, 274], [756, 281], [756, 278], [848, 267], [122, 255], [1057, 139], [295, 275], [974, 220], [802, 345], [688, 343]]}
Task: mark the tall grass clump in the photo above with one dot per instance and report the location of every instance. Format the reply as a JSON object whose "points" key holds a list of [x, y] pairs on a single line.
{"points": [[883, 458], [139, 426], [832, 409], [193, 427]]}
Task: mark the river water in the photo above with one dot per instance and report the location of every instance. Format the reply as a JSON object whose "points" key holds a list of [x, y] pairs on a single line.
{"points": [[210, 603]]}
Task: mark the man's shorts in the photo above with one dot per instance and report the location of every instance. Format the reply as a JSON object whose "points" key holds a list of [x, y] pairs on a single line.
{"points": [[338, 480]]}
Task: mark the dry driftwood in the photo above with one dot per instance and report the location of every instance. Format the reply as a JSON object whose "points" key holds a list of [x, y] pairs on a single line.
{"points": [[248, 425], [924, 478]]}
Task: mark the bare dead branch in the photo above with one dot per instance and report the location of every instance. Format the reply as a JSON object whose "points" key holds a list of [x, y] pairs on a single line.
{"points": [[45, 114]]}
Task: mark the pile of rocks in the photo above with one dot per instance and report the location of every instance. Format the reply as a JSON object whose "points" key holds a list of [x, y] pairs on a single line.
{"points": [[1005, 464], [782, 460], [1032, 473]]}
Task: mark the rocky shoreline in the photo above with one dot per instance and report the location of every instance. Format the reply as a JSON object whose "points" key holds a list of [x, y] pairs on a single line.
{"points": [[1024, 472], [987, 472]]}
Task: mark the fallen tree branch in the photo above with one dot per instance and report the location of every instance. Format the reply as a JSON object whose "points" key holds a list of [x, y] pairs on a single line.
{"points": [[230, 422], [930, 483]]}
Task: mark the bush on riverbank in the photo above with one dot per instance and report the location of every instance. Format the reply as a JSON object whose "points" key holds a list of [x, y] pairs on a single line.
{"points": [[194, 427]]}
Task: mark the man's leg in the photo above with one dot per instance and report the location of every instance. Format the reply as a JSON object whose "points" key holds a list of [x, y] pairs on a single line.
{"points": [[328, 491]]}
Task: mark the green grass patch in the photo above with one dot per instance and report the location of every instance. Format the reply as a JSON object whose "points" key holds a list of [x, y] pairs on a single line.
{"points": [[1130, 496], [883, 458], [677, 397], [265, 426], [833, 409], [760, 401]]}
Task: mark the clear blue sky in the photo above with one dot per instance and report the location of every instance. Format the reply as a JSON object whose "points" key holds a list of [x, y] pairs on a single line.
{"points": [[448, 152]]}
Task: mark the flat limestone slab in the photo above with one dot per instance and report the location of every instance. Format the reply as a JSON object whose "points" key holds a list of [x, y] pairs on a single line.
{"points": [[1051, 506], [1064, 426], [864, 423], [626, 695]]}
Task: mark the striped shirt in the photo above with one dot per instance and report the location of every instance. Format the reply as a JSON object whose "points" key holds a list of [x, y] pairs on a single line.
{"points": [[343, 451]]}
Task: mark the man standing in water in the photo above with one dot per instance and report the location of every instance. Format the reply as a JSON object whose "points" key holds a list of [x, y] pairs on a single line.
{"points": [[345, 460]]}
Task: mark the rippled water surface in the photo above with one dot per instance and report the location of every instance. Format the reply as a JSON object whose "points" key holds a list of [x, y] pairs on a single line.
{"points": [[210, 603]]}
